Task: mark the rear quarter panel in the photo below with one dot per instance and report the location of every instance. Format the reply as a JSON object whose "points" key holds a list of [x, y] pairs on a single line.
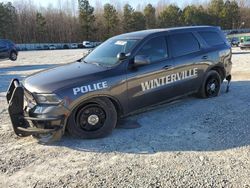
{"points": [[219, 56]]}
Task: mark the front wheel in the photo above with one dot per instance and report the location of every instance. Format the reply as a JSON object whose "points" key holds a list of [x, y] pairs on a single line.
{"points": [[13, 56], [211, 85], [95, 118]]}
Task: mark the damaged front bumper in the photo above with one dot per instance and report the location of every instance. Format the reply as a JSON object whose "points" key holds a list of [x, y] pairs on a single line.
{"points": [[34, 119]]}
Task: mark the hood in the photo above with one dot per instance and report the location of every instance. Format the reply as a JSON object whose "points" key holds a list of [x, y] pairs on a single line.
{"points": [[50, 80]]}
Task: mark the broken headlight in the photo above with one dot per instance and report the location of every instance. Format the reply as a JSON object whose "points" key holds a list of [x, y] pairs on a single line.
{"points": [[47, 99]]}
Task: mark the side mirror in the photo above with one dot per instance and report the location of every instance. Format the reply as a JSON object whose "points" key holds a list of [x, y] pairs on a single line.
{"points": [[121, 56], [140, 60]]}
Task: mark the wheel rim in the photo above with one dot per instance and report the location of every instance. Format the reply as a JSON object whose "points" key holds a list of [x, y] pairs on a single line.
{"points": [[91, 117], [212, 87]]}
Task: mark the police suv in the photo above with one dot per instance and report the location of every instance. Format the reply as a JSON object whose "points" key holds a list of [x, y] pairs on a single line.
{"points": [[126, 73]]}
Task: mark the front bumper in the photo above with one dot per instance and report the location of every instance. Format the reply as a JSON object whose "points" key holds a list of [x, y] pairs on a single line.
{"points": [[44, 121]]}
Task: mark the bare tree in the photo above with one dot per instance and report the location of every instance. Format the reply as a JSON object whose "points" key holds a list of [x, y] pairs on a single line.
{"points": [[64, 22]]}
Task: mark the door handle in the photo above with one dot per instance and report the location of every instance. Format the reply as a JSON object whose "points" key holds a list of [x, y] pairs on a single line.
{"points": [[204, 57], [167, 66]]}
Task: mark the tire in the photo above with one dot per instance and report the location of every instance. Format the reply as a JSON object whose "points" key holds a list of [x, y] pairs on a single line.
{"points": [[95, 118], [13, 56], [211, 85]]}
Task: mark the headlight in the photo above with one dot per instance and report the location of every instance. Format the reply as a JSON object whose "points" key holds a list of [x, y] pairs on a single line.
{"points": [[47, 99]]}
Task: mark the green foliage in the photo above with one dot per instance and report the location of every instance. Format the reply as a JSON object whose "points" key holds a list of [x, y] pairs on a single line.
{"points": [[150, 17], [132, 20], [8, 18], [170, 17], [226, 15], [40, 26], [110, 20], [138, 21], [215, 10], [193, 15], [86, 18], [128, 18], [230, 15]]}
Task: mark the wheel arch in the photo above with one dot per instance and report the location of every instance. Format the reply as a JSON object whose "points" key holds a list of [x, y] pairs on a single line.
{"points": [[12, 50], [221, 70], [114, 101], [117, 105], [99, 133]]}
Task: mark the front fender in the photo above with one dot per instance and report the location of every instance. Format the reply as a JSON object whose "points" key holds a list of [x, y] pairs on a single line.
{"points": [[73, 104]]}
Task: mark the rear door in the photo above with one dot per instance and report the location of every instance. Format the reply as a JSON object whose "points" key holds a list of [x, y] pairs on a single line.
{"points": [[147, 85], [190, 61]]}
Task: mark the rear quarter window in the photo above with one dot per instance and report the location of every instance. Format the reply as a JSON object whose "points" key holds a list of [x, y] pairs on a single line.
{"points": [[212, 38], [183, 44]]}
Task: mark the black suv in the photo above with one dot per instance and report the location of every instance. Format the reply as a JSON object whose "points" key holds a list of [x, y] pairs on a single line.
{"points": [[122, 75], [8, 50]]}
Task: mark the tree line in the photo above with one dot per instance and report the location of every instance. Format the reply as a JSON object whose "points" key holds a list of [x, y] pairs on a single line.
{"points": [[25, 23]]}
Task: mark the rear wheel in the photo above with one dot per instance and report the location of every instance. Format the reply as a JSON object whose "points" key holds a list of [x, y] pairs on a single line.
{"points": [[13, 56], [95, 118], [211, 85]]}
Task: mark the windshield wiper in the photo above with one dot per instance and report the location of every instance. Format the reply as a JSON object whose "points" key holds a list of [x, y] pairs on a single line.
{"points": [[95, 63], [83, 61]]}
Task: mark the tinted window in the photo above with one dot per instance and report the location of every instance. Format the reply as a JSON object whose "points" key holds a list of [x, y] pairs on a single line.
{"points": [[211, 38], [155, 49], [183, 44]]}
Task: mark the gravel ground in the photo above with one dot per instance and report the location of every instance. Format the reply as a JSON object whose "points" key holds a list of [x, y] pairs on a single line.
{"points": [[188, 143]]}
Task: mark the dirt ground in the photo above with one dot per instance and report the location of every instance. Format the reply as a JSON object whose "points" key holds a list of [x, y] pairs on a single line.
{"points": [[189, 143]]}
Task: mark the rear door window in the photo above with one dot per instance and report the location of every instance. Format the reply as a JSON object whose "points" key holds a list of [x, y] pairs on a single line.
{"points": [[183, 44], [212, 38], [155, 49]]}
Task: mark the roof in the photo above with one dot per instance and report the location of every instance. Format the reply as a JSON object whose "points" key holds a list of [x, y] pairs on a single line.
{"points": [[144, 33]]}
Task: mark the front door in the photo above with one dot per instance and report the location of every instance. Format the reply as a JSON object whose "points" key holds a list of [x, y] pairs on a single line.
{"points": [[148, 84]]}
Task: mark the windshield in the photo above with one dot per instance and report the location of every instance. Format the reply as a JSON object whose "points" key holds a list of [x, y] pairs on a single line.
{"points": [[106, 53]]}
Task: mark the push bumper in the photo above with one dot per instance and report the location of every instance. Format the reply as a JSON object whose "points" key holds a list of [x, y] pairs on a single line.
{"points": [[20, 119]]}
